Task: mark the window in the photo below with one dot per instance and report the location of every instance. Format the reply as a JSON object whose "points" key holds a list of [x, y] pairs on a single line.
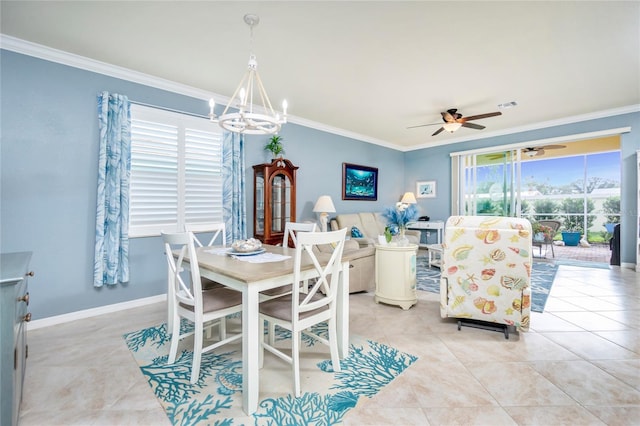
{"points": [[176, 171]]}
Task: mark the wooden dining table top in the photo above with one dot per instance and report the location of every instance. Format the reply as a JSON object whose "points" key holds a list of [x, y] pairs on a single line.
{"points": [[247, 272]]}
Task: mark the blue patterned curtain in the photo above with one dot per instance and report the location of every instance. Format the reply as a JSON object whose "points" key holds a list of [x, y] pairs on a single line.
{"points": [[111, 261], [234, 202]]}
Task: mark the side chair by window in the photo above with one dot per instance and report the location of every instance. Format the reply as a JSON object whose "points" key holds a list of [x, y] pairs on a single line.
{"points": [[192, 303], [298, 311], [218, 229]]}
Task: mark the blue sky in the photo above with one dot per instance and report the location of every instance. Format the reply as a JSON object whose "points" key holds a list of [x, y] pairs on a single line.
{"points": [[561, 171]]}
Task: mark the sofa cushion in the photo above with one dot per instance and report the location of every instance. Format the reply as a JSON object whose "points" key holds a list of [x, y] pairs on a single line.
{"points": [[370, 224]]}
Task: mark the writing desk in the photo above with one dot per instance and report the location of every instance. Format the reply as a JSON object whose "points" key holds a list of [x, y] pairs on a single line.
{"points": [[422, 225]]}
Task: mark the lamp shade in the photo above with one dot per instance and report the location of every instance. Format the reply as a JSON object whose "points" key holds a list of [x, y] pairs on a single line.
{"points": [[324, 205], [408, 198]]}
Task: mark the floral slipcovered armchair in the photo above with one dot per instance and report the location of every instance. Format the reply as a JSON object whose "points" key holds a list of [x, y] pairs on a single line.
{"points": [[486, 270]]}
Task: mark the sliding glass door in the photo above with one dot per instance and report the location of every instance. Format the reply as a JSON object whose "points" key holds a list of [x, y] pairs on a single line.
{"points": [[490, 184]]}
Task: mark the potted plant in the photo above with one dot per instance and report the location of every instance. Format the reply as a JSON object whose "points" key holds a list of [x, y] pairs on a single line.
{"points": [[541, 233], [571, 237], [274, 146]]}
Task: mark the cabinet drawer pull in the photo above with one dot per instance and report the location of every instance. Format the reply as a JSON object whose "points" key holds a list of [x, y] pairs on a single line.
{"points": [[24, 299], [27, 317], [30, 273]]}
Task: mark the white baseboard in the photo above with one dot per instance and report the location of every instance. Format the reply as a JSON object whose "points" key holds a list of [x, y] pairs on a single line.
{"points": [[87, 313]]}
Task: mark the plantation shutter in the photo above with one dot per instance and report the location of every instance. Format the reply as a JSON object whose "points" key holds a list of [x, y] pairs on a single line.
{"points": [[176, 171]]}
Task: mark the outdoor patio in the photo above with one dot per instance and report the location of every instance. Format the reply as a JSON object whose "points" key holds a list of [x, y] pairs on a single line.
{"points": [[595, 253]]}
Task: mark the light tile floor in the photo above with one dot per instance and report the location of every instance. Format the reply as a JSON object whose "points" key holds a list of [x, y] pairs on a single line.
{"points": [[578, 365]]}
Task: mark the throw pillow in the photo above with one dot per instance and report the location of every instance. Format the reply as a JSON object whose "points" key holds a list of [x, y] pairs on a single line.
{"points": [[355, 232]]}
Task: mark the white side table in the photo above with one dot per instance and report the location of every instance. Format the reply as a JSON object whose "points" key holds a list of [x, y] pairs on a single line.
{"points": [[435, 255], [396, 275]]}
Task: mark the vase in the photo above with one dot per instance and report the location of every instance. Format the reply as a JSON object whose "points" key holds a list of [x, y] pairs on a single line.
{"points": [[403, 241]]}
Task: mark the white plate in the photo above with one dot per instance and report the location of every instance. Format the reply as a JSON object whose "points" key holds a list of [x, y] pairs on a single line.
{"points": [[232, 252]]}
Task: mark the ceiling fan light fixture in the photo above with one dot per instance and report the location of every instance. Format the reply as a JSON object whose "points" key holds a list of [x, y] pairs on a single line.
{"points": [[451, 127], [531, 153]]}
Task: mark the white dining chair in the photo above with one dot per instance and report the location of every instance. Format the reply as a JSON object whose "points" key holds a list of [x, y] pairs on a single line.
{"points": [[298, 311], [200, 307], [217, 228], [291, 230]]}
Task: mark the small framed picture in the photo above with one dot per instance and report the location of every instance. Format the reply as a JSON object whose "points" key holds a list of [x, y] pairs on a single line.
{"points": [[426, 189]]}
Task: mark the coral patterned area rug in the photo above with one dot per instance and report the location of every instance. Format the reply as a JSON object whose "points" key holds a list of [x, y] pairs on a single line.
{"points": [[216, 399], [542, 276]]}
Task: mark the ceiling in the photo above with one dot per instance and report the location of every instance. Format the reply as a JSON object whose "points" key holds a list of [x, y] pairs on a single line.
{"points": [[369, 69]]}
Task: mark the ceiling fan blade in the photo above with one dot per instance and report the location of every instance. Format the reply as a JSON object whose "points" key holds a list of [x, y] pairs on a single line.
{"points": [[540, 151], [472, 126], [424, 125], [478, 117], [438, 131], [553, 147]]}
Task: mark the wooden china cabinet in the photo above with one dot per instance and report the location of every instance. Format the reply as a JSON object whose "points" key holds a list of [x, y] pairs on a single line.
{"points": [[274, 199]]}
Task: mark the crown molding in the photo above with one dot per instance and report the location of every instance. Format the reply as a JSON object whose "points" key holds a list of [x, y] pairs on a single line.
{"points": [[65, 58], [76, 61], [537, 126]]}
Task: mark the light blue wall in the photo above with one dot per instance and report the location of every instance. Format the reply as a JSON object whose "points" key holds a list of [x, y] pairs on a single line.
{"points": [[48, 166], [48, 159], [435, 164]]}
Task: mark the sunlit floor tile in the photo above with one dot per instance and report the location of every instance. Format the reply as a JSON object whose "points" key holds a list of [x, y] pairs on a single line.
{"points": [[556, 374]]}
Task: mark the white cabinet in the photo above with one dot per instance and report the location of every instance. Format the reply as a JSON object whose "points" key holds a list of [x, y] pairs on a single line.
{"points": [[14, 298], [396, 275]]}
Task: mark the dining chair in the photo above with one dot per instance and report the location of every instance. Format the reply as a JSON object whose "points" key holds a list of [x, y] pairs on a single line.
{"points": [[192, 303], [298, 311], [217, 228], [291, 230]]}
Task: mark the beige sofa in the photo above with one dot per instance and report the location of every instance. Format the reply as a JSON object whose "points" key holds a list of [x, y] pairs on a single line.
{"points": [[361, 265], [371, 225]]}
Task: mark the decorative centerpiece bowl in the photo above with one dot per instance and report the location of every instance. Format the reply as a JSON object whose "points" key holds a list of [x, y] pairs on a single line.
{"points": [[246, 246]]}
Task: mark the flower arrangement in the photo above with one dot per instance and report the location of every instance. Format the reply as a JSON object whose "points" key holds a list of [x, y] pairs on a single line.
{"points": [[400, 216], [542, 229]]}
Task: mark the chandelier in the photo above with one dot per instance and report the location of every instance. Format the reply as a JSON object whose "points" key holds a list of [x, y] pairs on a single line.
{"points": [[266, 120]]}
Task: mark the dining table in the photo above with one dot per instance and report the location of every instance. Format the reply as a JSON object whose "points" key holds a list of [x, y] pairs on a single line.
{"points": [[251, 276]]}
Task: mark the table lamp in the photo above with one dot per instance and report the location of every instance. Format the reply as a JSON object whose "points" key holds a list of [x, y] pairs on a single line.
{"points": [[408, 198], [324, 206]]}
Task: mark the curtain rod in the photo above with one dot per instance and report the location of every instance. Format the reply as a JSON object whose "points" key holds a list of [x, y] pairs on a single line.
{"points": [[169, 109]]}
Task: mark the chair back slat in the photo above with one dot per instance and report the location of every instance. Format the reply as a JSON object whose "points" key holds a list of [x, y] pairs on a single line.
{"points": [[184, 242], [291, 230], [217, 228], [329, 273]]}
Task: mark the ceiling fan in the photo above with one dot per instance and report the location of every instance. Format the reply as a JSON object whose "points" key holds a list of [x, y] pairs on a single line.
{"points": [[533, 151], [539, 150], [453, 120]]}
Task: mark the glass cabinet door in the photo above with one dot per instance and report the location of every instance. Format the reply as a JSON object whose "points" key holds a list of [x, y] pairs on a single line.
{"points": [[274, 199], [280, 202], [259, 201]]}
